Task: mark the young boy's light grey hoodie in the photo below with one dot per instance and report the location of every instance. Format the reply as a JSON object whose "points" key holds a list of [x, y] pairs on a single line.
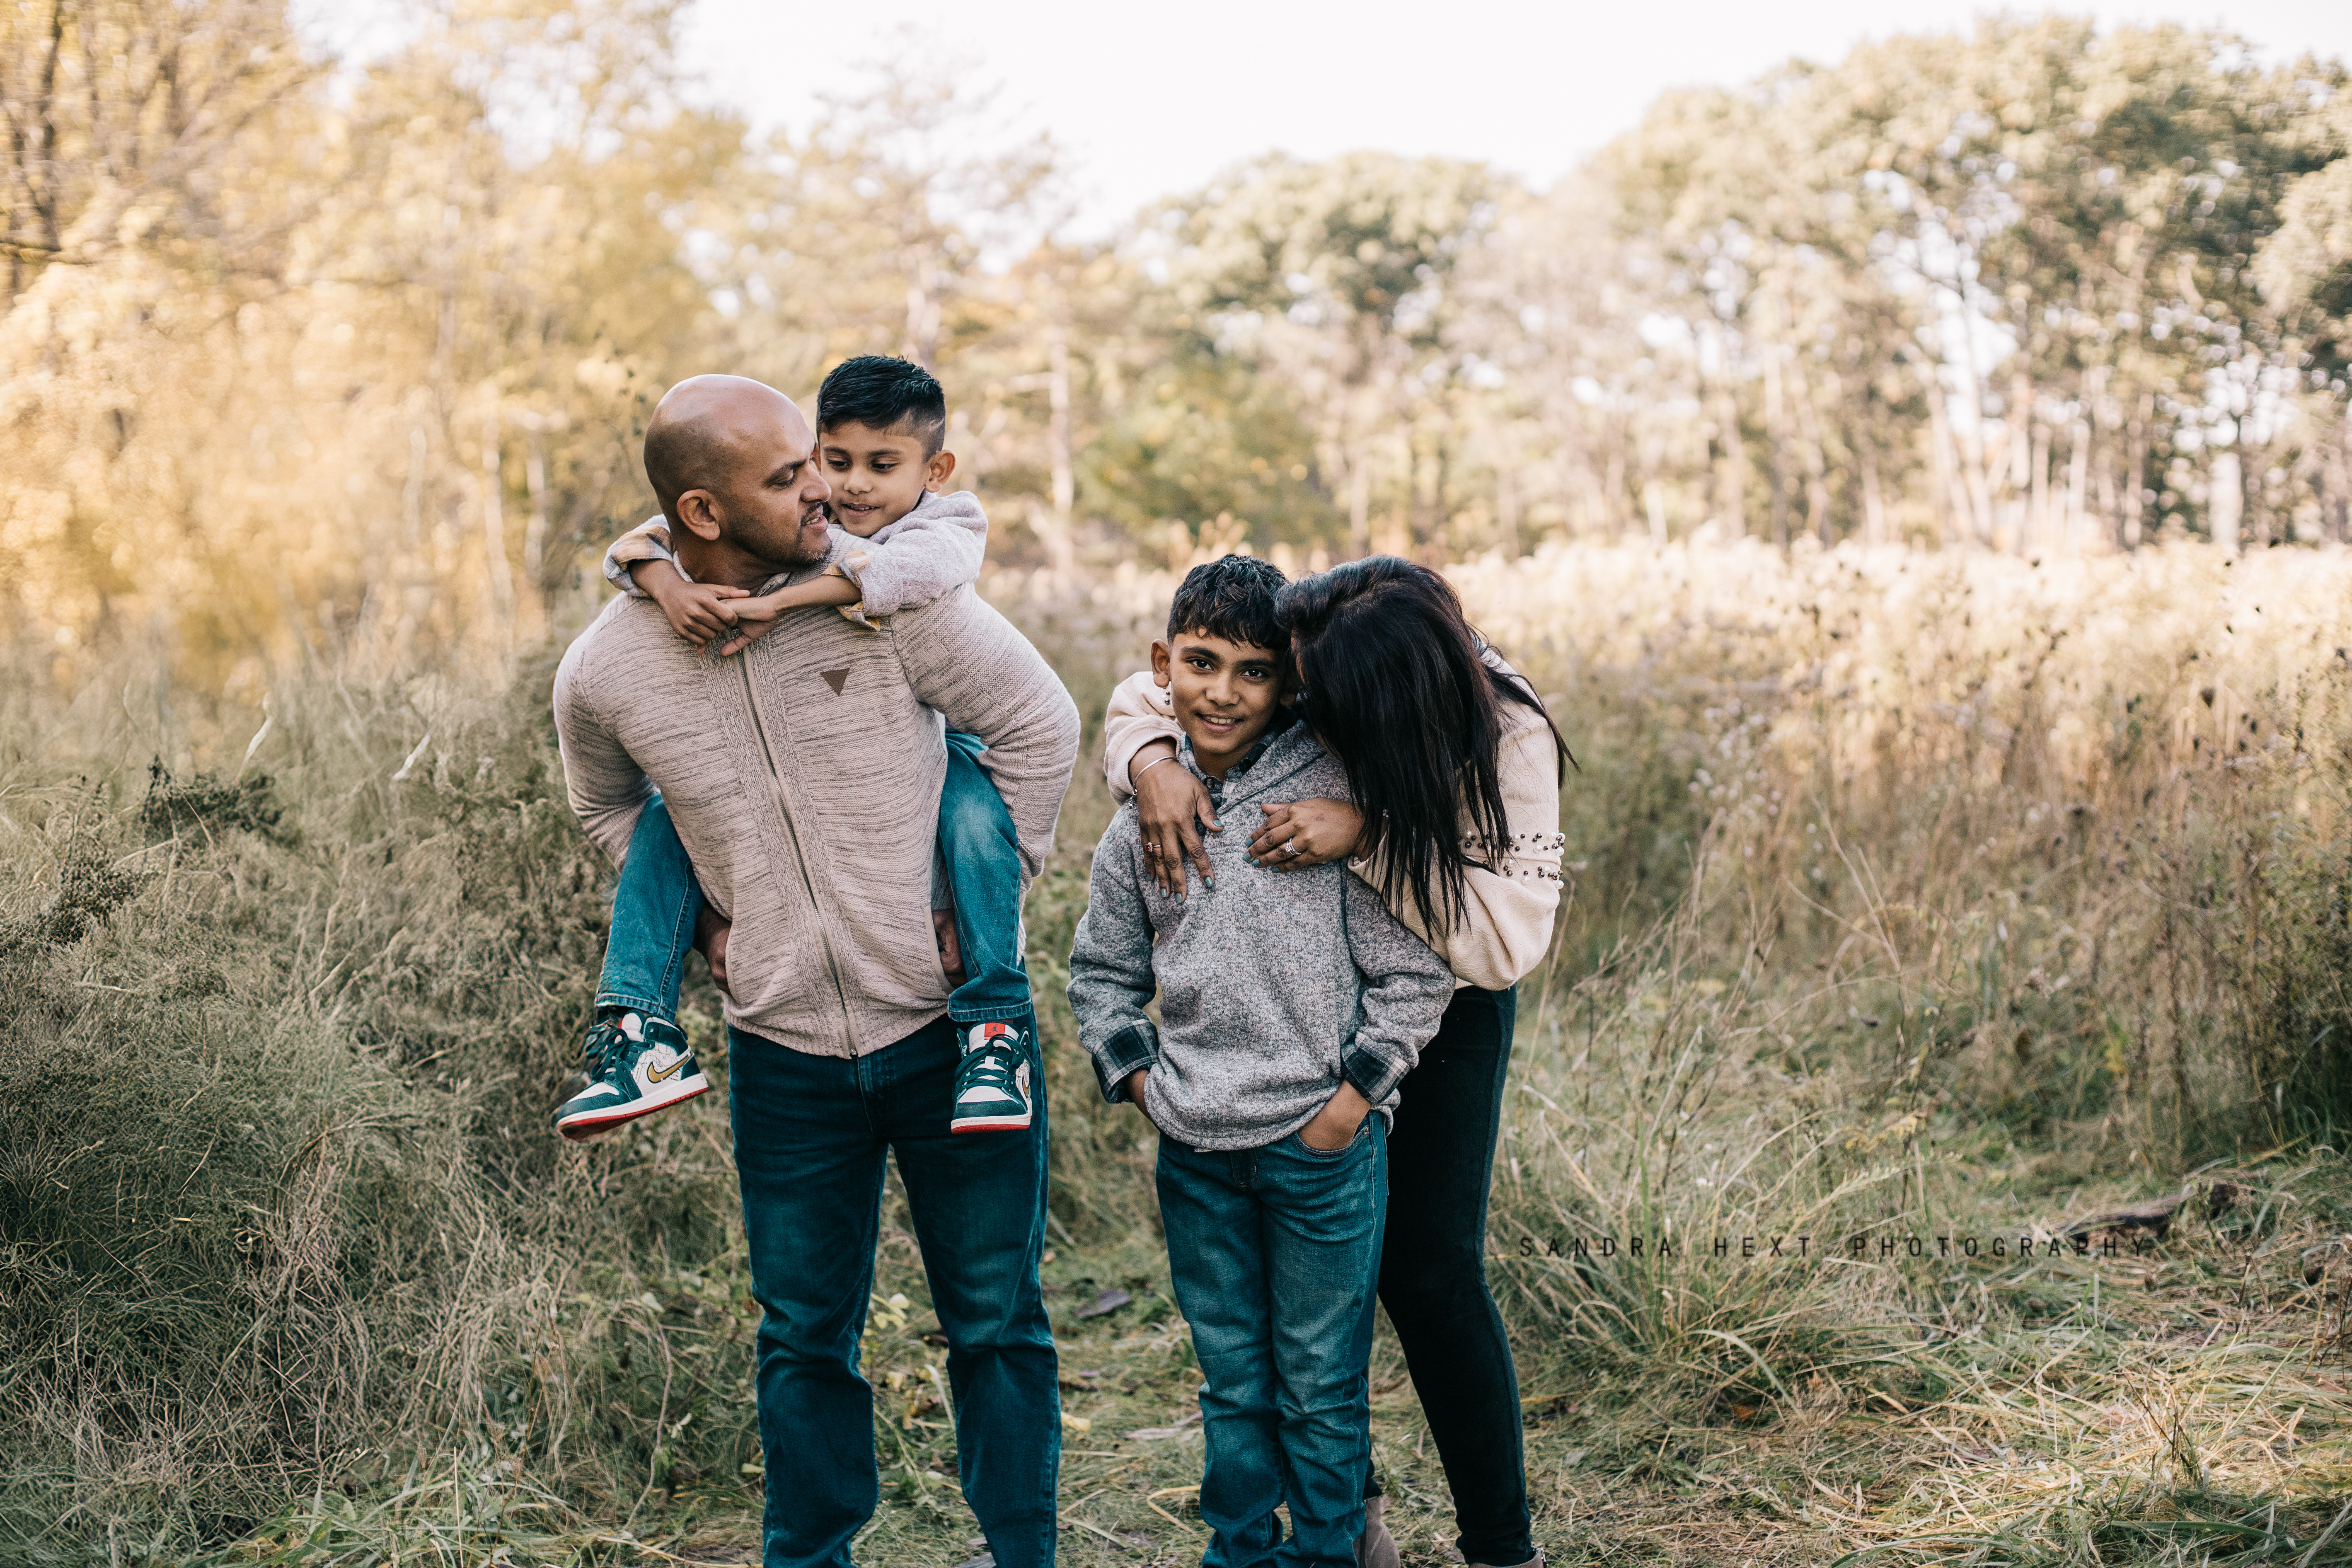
{"points": [[1274, 986]]}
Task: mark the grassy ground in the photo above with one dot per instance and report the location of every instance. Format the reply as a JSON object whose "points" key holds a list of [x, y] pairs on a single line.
{"points": [[1921, 903]]}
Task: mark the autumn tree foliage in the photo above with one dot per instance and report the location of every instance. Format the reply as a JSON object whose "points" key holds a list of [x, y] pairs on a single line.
{"points": [[314, 358]]}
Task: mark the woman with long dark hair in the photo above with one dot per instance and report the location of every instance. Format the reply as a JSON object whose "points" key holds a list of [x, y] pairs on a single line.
{"points": [[1454, 772]]}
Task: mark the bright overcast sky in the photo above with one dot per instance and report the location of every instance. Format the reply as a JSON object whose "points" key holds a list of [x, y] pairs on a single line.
{"points": [[1153, 100]]}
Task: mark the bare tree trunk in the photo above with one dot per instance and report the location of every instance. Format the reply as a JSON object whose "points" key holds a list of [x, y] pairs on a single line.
{"points": [[1359, 502], [32, 137], [1578, 483], [2338, 510], [1507, 507], [1053, 522], [921, 340], [1874, 509], [1731, 463], [2110, 501], [1776, 432], [534, 533], [531, 607], [1425, 490], [2078, 481], [1974, 472], [494, 529], [1612, 482], [1949, 507], [1816, 480], [2135, 472], [2253, 464], [2038, 530], [2227, 505], [2017, 510]]}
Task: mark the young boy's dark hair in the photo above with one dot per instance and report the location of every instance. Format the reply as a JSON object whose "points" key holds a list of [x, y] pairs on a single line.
{"points": [[879, 392], [1232, 597]]}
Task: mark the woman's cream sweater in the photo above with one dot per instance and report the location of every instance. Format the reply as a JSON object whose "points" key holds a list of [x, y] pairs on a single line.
{"points": [[1513, 894]]}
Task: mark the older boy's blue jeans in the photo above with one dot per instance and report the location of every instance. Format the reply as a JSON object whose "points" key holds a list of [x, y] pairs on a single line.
{"points": [[1276, 1254], [657, 902], [810, 1133]]}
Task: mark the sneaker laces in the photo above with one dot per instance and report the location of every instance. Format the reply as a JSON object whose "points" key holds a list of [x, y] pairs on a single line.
{"points": [[994, 1064], [604, 1043]]}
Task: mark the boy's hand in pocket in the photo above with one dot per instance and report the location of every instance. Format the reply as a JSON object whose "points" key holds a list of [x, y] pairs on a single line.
{"points": [[1132, 1086], [1334, 1127]]}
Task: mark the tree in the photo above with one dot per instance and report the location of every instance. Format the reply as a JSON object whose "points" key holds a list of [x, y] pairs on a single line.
{"points": [[1334, 275]]}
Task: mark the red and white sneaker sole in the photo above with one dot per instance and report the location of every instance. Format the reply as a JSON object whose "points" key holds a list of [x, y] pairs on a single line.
{"points": [[990, 1123], [589, 1124]]}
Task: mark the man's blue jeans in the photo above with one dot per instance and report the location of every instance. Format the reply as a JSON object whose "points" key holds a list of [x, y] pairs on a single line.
{"points": [[658, 901], [810, 1136], [1275, 1253]]}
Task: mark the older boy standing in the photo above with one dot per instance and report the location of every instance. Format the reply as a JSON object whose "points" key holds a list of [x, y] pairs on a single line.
{"points": [[1290, 1007]]}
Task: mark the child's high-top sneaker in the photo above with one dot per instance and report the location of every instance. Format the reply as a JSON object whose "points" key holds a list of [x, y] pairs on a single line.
{"points": [[636, 1064], [991, 1083]]}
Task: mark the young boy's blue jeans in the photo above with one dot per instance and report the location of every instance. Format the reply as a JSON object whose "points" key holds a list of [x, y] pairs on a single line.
{"points": [[657, 902], [1276, 1254]]}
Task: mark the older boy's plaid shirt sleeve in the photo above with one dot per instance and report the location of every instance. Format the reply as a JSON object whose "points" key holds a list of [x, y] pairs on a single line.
{"points": [[1407, 988], [1111, 981]]}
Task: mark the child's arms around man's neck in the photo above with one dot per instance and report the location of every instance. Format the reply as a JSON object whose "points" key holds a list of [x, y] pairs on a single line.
{"points": [[932, 550]]}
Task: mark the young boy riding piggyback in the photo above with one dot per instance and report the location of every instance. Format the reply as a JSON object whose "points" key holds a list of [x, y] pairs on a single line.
{"points": [[881, 428]]}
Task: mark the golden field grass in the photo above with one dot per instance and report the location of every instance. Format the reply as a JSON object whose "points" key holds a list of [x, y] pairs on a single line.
{"points": [[1927, 898]]}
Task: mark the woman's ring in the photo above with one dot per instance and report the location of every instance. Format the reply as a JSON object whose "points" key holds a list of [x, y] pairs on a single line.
{"points": [[1290, 848]]}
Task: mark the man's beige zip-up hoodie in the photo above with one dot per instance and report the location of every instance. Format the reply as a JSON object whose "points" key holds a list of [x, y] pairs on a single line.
{"points": [[803, 775]]}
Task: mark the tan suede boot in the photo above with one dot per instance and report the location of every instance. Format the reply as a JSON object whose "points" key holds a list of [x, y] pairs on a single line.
{"points": [[1376, 1548]]}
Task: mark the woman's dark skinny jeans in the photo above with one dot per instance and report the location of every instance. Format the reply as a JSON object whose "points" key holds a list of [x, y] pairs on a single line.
{"points": [[1434, 1272]]}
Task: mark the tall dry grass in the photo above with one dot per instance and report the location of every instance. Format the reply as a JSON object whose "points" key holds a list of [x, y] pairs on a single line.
{"points": [[1916, 896]]}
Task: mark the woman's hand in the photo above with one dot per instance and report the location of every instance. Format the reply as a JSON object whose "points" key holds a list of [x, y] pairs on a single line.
{"points": [[1168, 801], [1305, 833], [1334, 1127]]}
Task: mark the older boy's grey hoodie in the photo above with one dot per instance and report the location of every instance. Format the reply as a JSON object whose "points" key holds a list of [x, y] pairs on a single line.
{"points": [[1274, 986]]}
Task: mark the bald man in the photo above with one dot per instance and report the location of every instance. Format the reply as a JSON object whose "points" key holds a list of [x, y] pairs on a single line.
{"points": [[802, 778]]}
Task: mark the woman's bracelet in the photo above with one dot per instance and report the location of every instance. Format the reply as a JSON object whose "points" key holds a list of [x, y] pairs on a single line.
{"points": [[1137, 781]]}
